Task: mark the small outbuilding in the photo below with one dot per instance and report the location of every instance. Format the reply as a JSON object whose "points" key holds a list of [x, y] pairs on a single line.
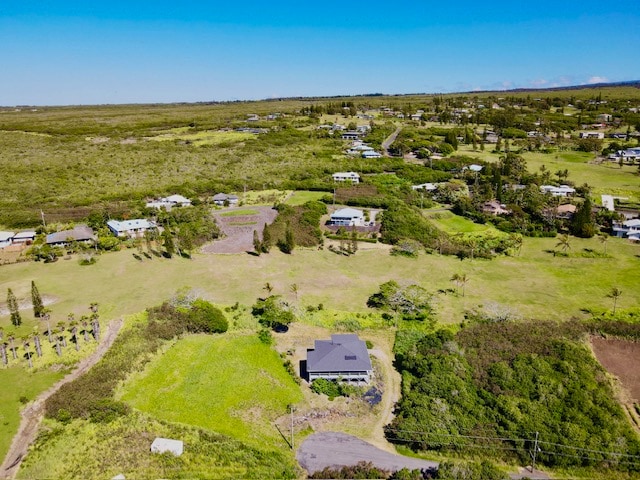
{"points": [[162, 445]]}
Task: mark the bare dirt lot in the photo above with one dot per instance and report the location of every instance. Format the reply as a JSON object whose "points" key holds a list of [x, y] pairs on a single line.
{"points": [[238, 229], [621, 358]]}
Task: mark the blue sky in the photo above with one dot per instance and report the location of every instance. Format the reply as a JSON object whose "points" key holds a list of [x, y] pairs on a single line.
{"points": [[85, 52]]}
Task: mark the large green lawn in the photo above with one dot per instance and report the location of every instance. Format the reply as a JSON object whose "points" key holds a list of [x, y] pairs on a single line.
{"points": [[17, 384], [236, 386]]}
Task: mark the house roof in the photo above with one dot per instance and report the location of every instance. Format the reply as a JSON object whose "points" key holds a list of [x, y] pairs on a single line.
{"points": [[177, 199], [127, 225], [4, 236], [343, 353], [632, 223], [79, 233], [223, 197], [347, 213], [346, 174], [26, 234]]}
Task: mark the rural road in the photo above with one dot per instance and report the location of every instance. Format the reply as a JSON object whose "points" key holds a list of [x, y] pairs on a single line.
{"points": [[390, 139], [32, 415], [333, 449]]}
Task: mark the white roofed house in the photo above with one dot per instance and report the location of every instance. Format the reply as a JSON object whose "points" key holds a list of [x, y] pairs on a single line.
{"points": [[25, 238], [344, 357], [628, 229], [222, 199], [352, 177], [371, 154], [169, 202], [347, 217], [561, 191], [5, 239], [130, 228]]}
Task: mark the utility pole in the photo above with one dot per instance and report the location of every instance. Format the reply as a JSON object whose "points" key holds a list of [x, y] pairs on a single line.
{"points": [[291, 409], [535, 453], [42, 216]]}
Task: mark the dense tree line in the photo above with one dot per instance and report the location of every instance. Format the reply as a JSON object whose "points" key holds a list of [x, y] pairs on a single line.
{"points": [[494, 384]]}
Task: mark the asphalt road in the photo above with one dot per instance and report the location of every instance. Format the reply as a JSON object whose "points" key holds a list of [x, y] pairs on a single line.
{"points": [[332, 449]]}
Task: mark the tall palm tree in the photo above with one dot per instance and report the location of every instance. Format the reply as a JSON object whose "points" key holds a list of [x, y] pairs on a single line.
{"points": [[462, 281], [268, 287], [27, 350], [3, 353], [36, 341], [46, 316], [62, 327], [84, 320], [73, 329], [12, 346], [615, 293], [455, 278], [564, 242], [294, 290], [604, 238]]}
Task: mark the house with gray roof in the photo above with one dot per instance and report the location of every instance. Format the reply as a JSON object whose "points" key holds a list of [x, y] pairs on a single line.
{"points": [[80, 233], [347, 217], [343, 357], [222, 199]]}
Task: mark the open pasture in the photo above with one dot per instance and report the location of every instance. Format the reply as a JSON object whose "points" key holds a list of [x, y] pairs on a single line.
{"points": [[234, 386]]}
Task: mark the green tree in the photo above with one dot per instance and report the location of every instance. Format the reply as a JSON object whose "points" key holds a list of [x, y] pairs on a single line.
{"points": [[266, 240], [257, 244], [14, 311], [273, 312], [582, 224], [288, 244], [205, 317], [168, 243], [615, 294], [36, 300], [564, 242]]}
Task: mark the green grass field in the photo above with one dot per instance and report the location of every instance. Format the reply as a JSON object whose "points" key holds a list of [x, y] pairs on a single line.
{"points": [[202, 138], [301, 197], [16, 384], [234, 386], [452, 223]]}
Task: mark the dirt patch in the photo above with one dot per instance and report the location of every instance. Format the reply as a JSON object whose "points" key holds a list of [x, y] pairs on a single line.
{"points": [[238, 229], [621, 358]]}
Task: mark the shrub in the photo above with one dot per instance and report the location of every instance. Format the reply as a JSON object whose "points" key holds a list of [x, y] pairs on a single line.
{"points": [[204, 317], [106, 410], [265, 336]]}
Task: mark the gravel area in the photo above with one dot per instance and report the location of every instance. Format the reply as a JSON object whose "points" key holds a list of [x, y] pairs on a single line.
{"points": [[332, 449], [238, 229]]}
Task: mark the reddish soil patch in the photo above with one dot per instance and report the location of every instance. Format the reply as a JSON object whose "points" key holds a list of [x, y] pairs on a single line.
{"points": [[238, 229], [621, 358]]}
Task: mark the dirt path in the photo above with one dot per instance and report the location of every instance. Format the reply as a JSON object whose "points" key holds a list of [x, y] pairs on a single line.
{"points": [[390, 396], [389, 140], [32, 415]]}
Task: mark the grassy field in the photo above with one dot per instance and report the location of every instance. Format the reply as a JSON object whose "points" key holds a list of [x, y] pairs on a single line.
{"points": [[452, 223], [234, 386], [239, 212], [206, 137], [301, 197], [17, 384]]}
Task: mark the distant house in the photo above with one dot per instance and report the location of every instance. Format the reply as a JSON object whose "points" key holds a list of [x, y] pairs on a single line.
{"points": [[80, 233], [252, 117], [343, 357], [6, 238], [561, 212], [628, 229], [130, 228], [561, 191], [352, 177], [371, 154], [162, 445], [222, 199], [429, 187], [25, 238], [598, 135], [494, 207], [350, 135], [170, 202], [347, 217]]}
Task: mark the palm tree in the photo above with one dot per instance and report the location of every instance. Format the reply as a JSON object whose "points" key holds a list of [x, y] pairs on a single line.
{"points": [[36, 341], [3, 353], [615, 293], [294, 290], [455, 278], [73, 329], [564, 243], [604, 238], [268, 287], [45, 315], [95, 325], [84, 320], [12, 346], [462, 281], [26, 345], [61, 329]]}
